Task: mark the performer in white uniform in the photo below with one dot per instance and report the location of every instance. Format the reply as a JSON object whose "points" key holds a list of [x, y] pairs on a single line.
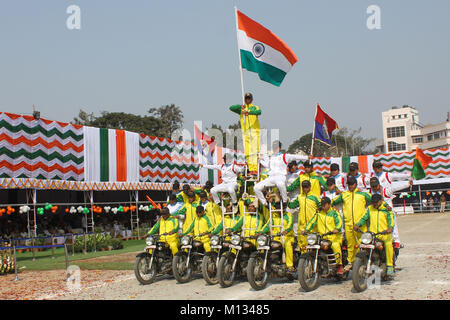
{"points": [[174, 206], [386, 178], [229, 183], [361, 179], [293, 173], [277, 164], [339, 178]]}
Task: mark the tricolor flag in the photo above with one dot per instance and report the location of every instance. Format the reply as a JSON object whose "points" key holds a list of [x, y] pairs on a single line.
{"points": [[324, 126], [111, 155], [364, 163], [261, 51], [205, 146], [421, 162]]}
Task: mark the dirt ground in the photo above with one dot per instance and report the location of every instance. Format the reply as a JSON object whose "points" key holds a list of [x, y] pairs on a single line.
{"points": [[424, 273]]}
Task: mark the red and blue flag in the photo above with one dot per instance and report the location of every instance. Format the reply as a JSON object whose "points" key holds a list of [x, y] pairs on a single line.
{"points": [[324, 126]]}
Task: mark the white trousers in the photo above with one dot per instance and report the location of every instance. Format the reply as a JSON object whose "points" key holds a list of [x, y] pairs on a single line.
{"points": [[271, 181], [229, 188]]}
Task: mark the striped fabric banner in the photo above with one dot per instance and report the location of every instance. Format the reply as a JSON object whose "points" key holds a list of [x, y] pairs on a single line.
{"points": [[111, 155], [164, 160], [403, 162], [41, 149]]}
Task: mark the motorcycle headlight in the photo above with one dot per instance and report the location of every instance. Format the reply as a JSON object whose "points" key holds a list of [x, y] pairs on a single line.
{"points": [[149, 241], [262, 240], [235, 239], [185, 240], [311, 239], [215, 240], [366, 238]]}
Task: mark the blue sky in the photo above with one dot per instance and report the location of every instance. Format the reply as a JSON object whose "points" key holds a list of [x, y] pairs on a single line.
{"points": [[132, 55]]}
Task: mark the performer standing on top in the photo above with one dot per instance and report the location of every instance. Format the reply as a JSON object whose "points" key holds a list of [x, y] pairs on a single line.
{"points": [[250, 131]]}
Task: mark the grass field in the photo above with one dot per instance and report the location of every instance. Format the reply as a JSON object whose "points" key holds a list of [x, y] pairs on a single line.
{"points": [[44, 261]]}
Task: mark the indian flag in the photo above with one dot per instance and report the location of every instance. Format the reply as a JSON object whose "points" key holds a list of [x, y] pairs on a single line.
{"points": [[364, 163], [261, 51], [111, 155]]}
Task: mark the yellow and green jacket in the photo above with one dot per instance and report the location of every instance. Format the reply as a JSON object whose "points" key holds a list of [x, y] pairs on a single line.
{"points": [[288, 224], [251, 121], [308, 205], [165, 226], [325, 222], [253, 221], [228, 224], [379, 219], [214, 212], [189, 210], [354, 205], [182, 197], [313, 178], [199, 225]]}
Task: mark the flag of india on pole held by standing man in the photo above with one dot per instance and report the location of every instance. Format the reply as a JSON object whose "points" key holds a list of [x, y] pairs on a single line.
{"points": [[261, 51]]}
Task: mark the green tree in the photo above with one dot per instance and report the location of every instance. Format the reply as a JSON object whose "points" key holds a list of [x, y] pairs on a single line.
{"points": [[119, 120], [171, 117]]}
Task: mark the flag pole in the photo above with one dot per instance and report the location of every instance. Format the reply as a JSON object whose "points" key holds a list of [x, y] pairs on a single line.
{"points": [[314, 131], [240, 62]]}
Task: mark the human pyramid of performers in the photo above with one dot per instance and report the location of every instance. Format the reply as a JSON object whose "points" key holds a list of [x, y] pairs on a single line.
{"points": [[268, 219]]}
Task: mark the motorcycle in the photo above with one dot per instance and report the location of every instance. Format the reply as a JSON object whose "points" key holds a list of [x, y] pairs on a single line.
{"points": [[319, 262], [195, 260], [148, 265], [266, 261], [232, 264], [371, 253]]}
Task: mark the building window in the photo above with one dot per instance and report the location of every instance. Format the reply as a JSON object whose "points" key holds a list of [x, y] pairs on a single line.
{"points": [[396, 132], [417, 140], [392, 146], [437, 135], [430, 137]]}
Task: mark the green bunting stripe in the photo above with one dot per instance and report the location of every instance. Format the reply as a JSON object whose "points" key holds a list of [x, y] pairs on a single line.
{"points": [[169, 165], [40, 153], [42, 130]]}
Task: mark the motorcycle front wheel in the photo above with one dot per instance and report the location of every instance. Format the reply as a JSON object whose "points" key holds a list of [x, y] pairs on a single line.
{"points": [[256, 276], [359, 274], [181, 272], [209, 269], [308, 279], [224, 271], [144, 273]]}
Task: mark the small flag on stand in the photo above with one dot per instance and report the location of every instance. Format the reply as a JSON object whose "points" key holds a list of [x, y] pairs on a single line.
{"points": [[421, 162]]}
